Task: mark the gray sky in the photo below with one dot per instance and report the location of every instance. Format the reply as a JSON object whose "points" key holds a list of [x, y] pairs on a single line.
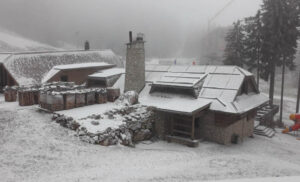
{"points": [[106, 22]]}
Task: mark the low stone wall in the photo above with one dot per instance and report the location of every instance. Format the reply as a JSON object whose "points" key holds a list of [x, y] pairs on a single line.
{"points": [[138, 126]]}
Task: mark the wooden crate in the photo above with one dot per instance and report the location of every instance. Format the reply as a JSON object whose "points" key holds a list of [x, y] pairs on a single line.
{"points": [[101, 98], [90, 98], [10, 95], [69, 100], [55, 102], [26, 98], [43, 100], [113, 94], [80, 99]]}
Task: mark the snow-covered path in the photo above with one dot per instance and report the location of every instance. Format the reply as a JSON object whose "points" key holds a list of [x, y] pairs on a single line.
{"points": [[33, 148]]}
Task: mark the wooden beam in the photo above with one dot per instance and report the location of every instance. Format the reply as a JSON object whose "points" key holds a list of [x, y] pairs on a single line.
{"points": [[193, 128], [172, 125]]}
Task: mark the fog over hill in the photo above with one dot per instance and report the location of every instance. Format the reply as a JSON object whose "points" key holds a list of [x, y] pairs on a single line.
{"points": [[173, 28], [11, 42]]}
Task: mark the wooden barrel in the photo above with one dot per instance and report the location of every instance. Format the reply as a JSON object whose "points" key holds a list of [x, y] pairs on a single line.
{"points": [[113, 94]]}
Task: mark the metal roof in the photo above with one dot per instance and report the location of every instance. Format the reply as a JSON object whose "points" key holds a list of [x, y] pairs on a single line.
{"points": [[222, 85]]}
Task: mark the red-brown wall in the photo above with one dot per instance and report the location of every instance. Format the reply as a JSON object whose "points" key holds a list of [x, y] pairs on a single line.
{"points": [[79, 76]]}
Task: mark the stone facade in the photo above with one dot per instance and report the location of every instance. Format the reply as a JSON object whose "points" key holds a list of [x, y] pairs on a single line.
{"points": [[228, 132], [135, 66], [215, 127]]}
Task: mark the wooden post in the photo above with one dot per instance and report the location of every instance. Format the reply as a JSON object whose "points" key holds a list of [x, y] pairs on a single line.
{"points": [[298, 95], [193, 128], [172, 125], [258, 71]]}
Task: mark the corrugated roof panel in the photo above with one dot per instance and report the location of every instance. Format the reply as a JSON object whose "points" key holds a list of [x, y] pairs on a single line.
{"points": [[225, 69], [228, 95], [178, 68], [150, 67], [153, 76], [167, 79], [186, 80], [210, 69], [235, 81], [196, 69], [173, 74], [216, 81], [192, 75], [161, 68], [210, 93]]}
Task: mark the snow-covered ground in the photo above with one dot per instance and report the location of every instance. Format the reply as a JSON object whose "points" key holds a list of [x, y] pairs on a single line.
{"points": [[33, 148]]}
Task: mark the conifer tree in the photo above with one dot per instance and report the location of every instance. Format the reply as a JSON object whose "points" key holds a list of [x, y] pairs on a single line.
{"points": [[253, 42], [234, 51], [279, 38]]}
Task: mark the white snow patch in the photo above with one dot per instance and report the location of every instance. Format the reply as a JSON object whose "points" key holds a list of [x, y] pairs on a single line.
{"points": [[83, 112], [108, 72], [101, 127], [81, 65]]}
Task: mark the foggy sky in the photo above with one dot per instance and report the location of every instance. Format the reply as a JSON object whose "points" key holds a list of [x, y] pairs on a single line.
{"points": [[105, 23]]}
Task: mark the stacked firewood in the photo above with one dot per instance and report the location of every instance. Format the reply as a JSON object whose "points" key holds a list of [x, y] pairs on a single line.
{"points": [[58, 96], [29, 95], [56, 100], [113, 94], [10, 93]]}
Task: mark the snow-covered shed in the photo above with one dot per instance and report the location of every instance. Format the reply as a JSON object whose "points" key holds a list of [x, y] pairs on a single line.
{"points": [[31, 67], [77, 73], [105, 78], [217, 103]]}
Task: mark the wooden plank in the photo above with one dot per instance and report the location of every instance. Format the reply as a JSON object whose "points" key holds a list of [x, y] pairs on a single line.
{"points": [[182, 132], [183, 125]]}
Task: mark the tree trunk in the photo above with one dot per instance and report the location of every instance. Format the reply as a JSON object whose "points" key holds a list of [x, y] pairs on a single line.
{"points": [[272, 82], [298, 96], [282, 91]]}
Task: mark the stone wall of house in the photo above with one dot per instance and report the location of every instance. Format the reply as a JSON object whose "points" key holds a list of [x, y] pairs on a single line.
{"points": [[135, 66], [161, 123], [240, 128], [208, 129]]}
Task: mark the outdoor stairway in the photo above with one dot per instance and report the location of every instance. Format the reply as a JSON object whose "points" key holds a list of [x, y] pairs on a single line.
{"points": [[263, 131], [264, 118]]}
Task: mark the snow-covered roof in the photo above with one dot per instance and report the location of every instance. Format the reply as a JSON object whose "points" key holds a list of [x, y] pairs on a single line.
{"points": [[173, 103], [3, 57], [108, 73], [81, 66], [222, 86], [179, 79], [32, 67]]}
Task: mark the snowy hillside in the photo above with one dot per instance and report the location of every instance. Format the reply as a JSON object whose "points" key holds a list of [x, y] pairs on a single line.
{"points": [[10, 42]]}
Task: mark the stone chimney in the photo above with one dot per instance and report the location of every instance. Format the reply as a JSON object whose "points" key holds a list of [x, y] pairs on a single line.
{"points": [[86, 46], [135, 64]]}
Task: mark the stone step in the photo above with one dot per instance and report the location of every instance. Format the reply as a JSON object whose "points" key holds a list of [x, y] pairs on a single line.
{"points": [[264, 131]]}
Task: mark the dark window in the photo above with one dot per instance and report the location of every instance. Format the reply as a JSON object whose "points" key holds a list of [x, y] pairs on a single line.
{"points": [[173, 90], [64, 78], [97, 83]]}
